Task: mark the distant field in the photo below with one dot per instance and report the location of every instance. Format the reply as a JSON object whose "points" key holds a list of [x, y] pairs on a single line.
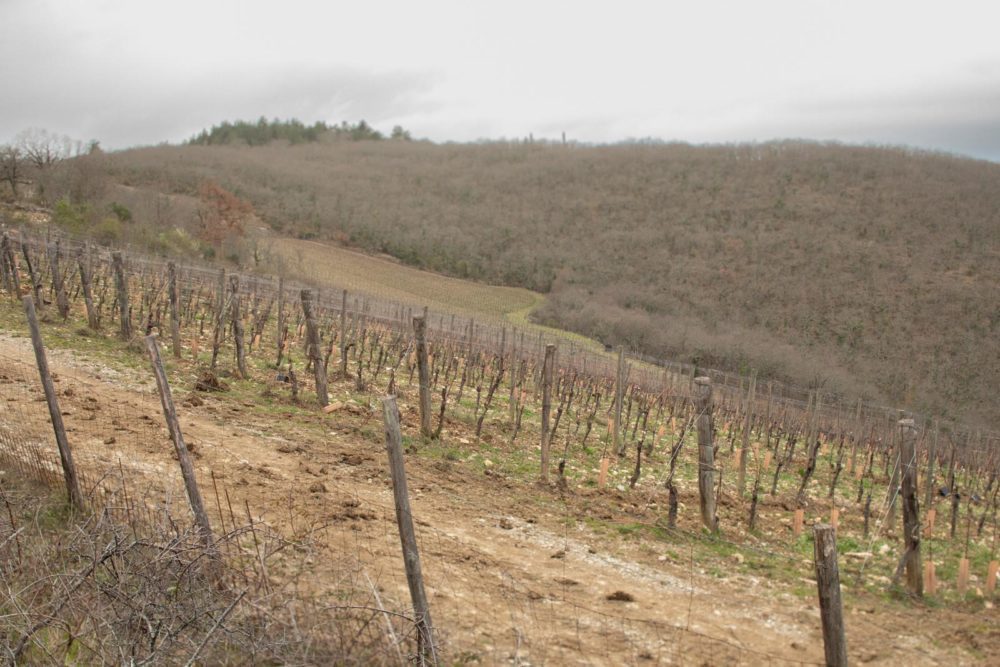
{"points": [[315, 261]]}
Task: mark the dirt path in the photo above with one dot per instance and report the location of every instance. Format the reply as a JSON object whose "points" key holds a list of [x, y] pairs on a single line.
{"points": [[513, 575]]}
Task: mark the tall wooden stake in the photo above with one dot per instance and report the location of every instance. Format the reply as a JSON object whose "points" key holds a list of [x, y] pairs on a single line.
{"points": [[423, 375], [121, 284], [407, 536], [175, 315], [619, 391], [343, 337], [547, 371], [911, 510], [831, 608], [88, 294], [706, 452], [741, 476], [237, 317], [312, 347], [65, 455], [183, 456]]}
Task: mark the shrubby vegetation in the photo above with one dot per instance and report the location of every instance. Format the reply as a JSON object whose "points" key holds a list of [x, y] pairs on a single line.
{"points": [[866, 270]]}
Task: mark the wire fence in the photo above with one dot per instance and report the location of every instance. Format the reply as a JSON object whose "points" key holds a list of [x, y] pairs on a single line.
{"points": [[332, 506]]}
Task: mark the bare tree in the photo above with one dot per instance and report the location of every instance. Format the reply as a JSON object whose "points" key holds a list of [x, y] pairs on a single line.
{"points": [[12, 166], [43, 148]]}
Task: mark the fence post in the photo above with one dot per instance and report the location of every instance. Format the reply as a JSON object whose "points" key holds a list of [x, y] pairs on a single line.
{"points": [[175, 317], [423, 374], [619, 390], [281, 321], [931, 461], [706, 453], [237, 317], [741, 476], [343, 335], [911, 511], [121, 284], [58, 284], [9, 260], [219, 334], [88, 295], [830, 607], [312, 347], [65, 455], [183, 456], [407, 537], [547, 369]]}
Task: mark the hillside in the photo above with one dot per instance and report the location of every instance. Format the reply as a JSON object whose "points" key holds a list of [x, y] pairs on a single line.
{"points": [[868, 271]]}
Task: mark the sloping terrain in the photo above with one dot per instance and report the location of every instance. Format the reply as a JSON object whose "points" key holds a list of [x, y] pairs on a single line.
{"points": [[515, 573], [869, 271]]}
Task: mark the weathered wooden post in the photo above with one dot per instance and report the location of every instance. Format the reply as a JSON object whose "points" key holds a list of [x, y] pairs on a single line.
{"points": [[616, 444], [175, 314], [183, 456], [911, 510], [237, 317], [547, 371], [5, 267], [343, 337], [65, 455], [931, 461], [741, 475], [706, 452], [93, 321], [10, 261], [313, 347], [121, 284], [58, 283], [281, 336], [831, 608], [407, 536], [219, 333], [34, 275], [423, 375]]}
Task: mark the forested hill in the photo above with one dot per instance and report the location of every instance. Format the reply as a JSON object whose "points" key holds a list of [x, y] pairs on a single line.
{"points": [[867, 270]]}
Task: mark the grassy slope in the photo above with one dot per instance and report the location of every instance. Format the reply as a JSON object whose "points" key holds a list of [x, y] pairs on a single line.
{"points": [[867, 270]]}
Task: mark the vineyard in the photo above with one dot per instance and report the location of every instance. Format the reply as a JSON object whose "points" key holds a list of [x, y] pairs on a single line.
{"points": [[571, 505]]}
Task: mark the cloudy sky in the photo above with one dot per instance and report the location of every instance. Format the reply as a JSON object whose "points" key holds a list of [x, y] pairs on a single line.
{"points": [[129, 72]]}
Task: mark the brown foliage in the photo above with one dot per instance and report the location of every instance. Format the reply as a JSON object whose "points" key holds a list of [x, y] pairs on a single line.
{"points": [[868, 270], [222, 215]]}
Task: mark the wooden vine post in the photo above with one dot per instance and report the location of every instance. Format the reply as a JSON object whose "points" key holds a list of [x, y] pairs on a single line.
{"points": [[741, 475], [121, 284], [238, 334], [175, 315], [616, 445], [706, 452], [88, 293], [220, 317], [281, 335], [831, 608], [58, 283], [911, 510], [65, 454], [547, 372], [407, 537], [183, 456], [931, 460], [423, 375], [343, 341], [9, 260], [313, 347]]}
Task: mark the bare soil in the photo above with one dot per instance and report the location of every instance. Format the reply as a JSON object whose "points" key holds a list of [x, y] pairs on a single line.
{"points": [[514, 573]]}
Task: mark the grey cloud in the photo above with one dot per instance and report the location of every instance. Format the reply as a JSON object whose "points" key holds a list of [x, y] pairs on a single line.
{"points": [[132, 109]]}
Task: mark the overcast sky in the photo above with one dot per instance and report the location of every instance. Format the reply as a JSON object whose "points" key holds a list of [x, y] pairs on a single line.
{"points": [[129, 72]]}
